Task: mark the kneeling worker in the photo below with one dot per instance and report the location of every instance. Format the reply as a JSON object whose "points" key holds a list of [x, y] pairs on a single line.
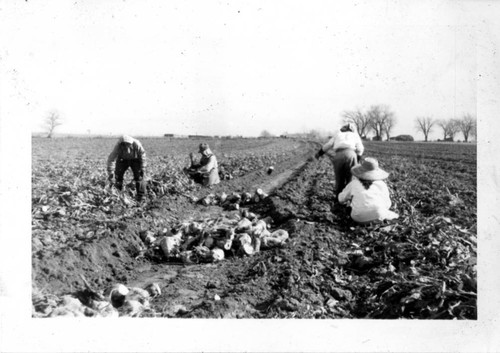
{"points": [[206, 171]]}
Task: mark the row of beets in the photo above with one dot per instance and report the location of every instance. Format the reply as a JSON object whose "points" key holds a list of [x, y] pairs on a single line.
{"points": [[232, 201], [211, 240], [115, 301]]}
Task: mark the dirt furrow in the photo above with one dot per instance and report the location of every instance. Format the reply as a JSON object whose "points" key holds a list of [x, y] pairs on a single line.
{"points": [[270, 283]]}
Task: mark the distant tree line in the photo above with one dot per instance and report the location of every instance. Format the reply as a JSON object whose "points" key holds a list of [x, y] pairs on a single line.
{"points": [[379, 119], [467, 125]]}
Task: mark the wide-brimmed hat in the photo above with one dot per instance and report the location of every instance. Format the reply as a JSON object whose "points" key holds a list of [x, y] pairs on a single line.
{"points": [[126, 139], [203, 147], [369, 170]]}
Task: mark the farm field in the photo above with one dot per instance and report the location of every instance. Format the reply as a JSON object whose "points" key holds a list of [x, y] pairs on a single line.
{"points": [[87, 237]]}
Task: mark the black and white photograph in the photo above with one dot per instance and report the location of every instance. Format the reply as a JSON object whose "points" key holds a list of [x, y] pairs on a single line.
{"points": [[222, 176]]}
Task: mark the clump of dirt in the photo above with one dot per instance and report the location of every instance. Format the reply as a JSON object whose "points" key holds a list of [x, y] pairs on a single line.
{"points": [[109, 259]]}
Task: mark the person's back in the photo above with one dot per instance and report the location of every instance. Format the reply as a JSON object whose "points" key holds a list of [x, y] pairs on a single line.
{"points": [[131, 151], [127, 148], [348, 148], [367, 204], [347, 139]]}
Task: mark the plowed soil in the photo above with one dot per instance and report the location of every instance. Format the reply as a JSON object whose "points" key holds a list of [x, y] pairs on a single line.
{"points": [[316, 274]]}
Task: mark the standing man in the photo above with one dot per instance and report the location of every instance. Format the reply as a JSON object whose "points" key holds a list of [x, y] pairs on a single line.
{"points": [[128, 153], [348, 149]]}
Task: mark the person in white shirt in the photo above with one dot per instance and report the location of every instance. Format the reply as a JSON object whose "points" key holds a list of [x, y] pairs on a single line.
{"points": [[367, 194], [348, 149]]}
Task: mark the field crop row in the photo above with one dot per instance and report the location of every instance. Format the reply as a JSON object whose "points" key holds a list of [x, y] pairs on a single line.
{"points": [[422, 265], [461, 153], [72, 203]]}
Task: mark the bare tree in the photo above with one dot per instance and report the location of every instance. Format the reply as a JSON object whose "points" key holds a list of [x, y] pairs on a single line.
{"points": [[443, 125], [378, 115], [360, 120], [425, 124], [52, 120], [453, 128], [390, 121], [466, 126], [376, 121], [450, 128]]}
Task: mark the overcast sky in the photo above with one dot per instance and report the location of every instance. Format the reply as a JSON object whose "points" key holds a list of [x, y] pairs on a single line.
{"points": [[234, 67]]}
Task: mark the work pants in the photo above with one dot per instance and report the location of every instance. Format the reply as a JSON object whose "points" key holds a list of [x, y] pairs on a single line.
{"points": [[136, 165], [343, 161]]}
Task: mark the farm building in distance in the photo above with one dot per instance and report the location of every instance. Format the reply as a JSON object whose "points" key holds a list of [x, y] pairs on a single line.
{"points": [[402, 138], [174, 136], [200, 137]]}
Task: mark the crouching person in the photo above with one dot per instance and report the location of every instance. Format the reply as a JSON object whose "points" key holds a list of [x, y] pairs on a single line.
{"points": [[128, 153], [368, 194], [206, 171]]}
